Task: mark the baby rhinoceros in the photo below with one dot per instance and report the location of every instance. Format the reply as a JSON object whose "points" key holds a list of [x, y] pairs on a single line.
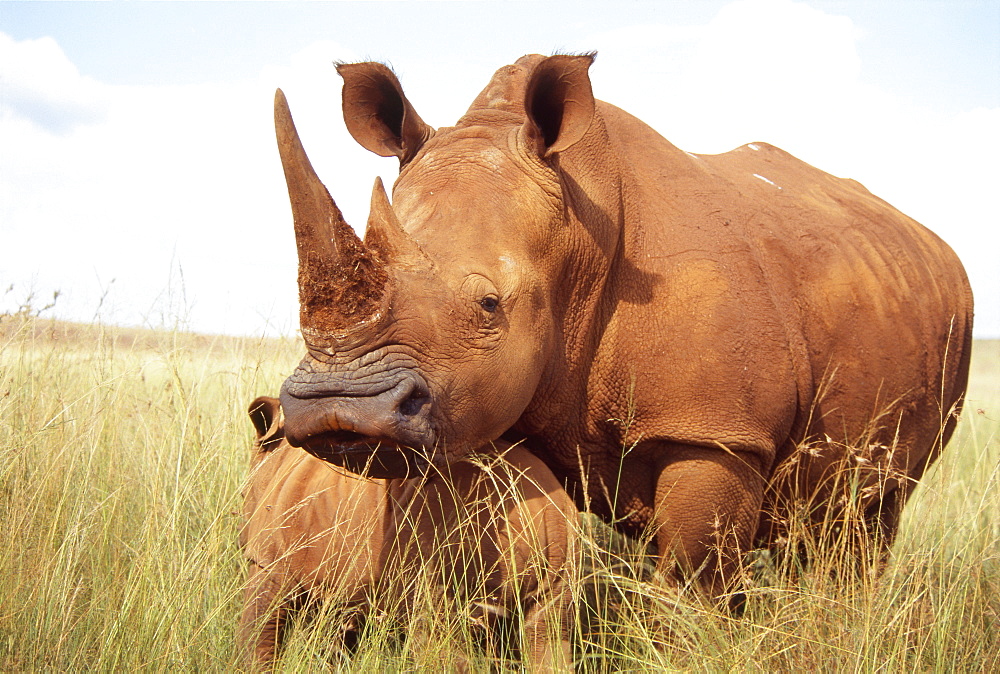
{"points": [[498, 535]]}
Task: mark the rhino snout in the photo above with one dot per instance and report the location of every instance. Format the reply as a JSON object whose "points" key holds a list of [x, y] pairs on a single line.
{"points": [[382, 434]]}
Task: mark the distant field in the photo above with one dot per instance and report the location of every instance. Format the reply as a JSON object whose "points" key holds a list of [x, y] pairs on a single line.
{"points": [[121, 457]]}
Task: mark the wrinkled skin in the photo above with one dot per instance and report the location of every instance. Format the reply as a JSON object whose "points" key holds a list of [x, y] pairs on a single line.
{"points": [[504, 536], [692, 343]]}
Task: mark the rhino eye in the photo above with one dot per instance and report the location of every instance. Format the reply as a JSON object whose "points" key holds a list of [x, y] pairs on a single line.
{"points": [[489, 303]]}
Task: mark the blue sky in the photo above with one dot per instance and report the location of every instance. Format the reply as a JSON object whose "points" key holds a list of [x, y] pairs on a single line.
{"points": [[137, 168], [951, 47]]}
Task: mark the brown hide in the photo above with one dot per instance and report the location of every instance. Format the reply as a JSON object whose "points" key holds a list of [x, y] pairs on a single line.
{"points": [[693, 343], [501, 533]]}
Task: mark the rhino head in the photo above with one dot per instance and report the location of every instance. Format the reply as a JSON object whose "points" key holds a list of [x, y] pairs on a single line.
{"points": [[429, 338]]}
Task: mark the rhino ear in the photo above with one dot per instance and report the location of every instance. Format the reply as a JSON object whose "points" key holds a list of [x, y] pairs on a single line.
{"points": [[559, 102], [378, 114], [265, 413]]}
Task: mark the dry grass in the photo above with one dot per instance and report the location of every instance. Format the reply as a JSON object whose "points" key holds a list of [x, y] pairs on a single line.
{"points": [[121, 457]]}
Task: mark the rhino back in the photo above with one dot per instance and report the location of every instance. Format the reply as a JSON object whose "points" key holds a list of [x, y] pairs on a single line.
{"points": [[757, 300], [878, 310]]}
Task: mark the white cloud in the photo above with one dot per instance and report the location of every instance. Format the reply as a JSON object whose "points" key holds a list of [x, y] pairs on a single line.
{"points": [[774, 68], [40, 84]]}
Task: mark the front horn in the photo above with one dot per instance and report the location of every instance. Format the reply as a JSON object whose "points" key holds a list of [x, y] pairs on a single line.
{"points": [[342, 282]]}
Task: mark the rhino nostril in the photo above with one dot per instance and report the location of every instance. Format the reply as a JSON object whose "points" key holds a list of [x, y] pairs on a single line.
{"points": [[413, 403]]}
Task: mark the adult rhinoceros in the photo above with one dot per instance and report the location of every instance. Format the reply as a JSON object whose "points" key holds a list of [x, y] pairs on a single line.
{"points": [[692, 342]]}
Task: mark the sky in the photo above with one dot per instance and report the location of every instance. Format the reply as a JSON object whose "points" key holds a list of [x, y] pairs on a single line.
{"points": [[140, 180]]}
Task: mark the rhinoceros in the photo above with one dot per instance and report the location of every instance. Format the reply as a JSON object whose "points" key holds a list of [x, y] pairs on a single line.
{"points": [[692, 343], [499, 534]]}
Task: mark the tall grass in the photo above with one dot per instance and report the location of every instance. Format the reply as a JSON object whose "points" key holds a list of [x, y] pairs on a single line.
{"points": [[121, 458]]}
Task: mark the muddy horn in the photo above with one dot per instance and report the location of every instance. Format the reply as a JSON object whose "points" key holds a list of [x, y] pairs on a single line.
{"points": [[341, 281]]}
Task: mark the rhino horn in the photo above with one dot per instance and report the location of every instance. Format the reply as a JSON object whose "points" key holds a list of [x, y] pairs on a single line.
{"points": [[342, 282], [386, 234]]}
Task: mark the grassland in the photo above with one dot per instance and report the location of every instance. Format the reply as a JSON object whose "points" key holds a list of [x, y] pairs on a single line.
{"points": [[121, 458]]}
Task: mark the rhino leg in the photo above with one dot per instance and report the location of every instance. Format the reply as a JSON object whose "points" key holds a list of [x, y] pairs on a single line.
{"points": [[881, 523], [546, 644], [883, 517], [547, 631], [707, 506], [265, 611]]}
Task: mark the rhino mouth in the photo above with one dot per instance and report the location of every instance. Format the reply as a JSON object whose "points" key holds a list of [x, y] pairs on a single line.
{"points": [[373, 457], [369, 421]]}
